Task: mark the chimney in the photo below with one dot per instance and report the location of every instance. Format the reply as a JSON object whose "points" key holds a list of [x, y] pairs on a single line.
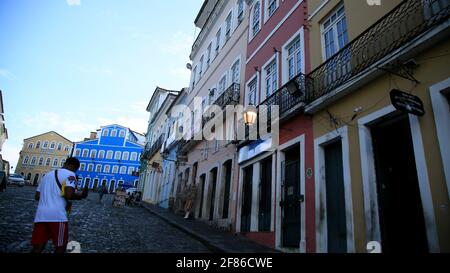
{"points": [[93, 135]]}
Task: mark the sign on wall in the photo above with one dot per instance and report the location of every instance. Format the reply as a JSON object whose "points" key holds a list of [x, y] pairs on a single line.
{"points": [[407, 103]]}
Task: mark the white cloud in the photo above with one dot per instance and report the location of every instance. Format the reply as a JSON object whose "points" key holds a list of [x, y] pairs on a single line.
{"points": [[73, 2]]}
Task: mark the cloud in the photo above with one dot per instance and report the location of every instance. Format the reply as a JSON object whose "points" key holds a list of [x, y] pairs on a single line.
{"points": [[73, 2], [5, 73]]}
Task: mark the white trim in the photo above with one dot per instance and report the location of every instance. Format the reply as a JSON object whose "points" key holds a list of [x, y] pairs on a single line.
{"points": [[266, 10], [441, 111], [262, 90], [370, 182], [273, 31], [280, 156], [240, 66], [284, 54], [318, 9], [320, 189], [252, 35], [254, 77]]}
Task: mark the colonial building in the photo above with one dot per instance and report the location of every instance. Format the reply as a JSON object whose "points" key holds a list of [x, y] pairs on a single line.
{"points": [[4, 165], [217, 78], [41, 154], [378, 96], [275, 183], [151, 160], [110, 157]]}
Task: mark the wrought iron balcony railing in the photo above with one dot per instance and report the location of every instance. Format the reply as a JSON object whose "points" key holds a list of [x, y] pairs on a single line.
{"points": [[151, 150], [398, 27], [230, 96]]}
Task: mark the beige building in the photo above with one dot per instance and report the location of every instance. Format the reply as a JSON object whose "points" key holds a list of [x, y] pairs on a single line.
{"points": [[41, 154], [384, 169], [218, 63]]}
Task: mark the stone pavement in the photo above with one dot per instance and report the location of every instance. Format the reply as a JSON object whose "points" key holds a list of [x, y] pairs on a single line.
{"points": [[216, 240], [97, 226]]}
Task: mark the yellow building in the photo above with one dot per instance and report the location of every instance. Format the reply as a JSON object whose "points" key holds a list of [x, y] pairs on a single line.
{"points": [[382, 172], [41, 154]]}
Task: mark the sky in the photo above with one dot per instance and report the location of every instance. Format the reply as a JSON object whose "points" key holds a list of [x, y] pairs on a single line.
{"points": [[72, 66]]}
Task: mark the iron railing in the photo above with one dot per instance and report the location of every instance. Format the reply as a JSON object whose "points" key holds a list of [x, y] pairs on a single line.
{"points": [[150, 152], [230, 96]]}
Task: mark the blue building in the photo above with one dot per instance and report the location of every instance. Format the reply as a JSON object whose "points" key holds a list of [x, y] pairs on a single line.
{"points": [[110, 157]]}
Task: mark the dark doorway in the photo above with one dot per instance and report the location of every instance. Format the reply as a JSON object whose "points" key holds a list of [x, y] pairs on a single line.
{"points": [[265, 200], [335, 198], [402, 222], [213, 180], [202, 195], [226, 194], [36, 179], [292, 198], [112, 186], [87, 181], [95, 186], [247, 189]]}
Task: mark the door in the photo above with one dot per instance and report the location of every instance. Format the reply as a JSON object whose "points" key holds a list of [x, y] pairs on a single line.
{"points": [[95, 186], [265, 201], [292, 198], [402, 224], [213, 193], [202, 195], [87, 181], [335, 199], [36, 179], [246, 210], [112, 186], [226, 197]]}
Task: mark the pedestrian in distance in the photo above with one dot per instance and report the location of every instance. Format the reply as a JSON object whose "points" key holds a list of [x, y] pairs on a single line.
{"points": [[54, 194]]}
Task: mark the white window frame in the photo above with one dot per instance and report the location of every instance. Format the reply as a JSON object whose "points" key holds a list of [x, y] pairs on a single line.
{"points": [[208, 55], [59, 146], [267, 16], [122, 133], [90, 167], [252, 34], [125, 156], [285, 54], [107, 169], [123, 170], [334, 27], [247, 90], [238, 20], [263, 93], [114, 133], [85, 151], [98, 168], [48, 161], [220, 92], [117, 155], [109, 155], [82, 167], [115, 169], [200, 67], [217, 42], [228, 31], [133, 156], [30, 145], [239, 71], [105, 132], [55, 162], [101, 154], [38, 145], [41, 161], [93, 153], [53, 145], [25, 161], [45, 145], [78, 152]]}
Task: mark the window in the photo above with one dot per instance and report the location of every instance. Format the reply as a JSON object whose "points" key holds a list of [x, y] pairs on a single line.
{"points": [[123, 170], [115, 169], [38, 145], [271, 79], [85, 153], [256, 18], [216, 145], [109, 154], [114, 133], [93, 153], [200, 67], [82, 167], [45, 146], [122, 133], [55, 162], [125, 156], [130, 170], [133, 156], [105, 132], [98, 168], [251, 92], [59, 146], [101, 154], [218, 34], [25, 160], [240, 11], [334, 32], [67, 148], [41, 161], [107, 169], [117, 155], [194, 77], [294, 59], [236, 72], [208, 55], [77, 153], [222, 85], [205, 151], [62, 162], [90, 167], [33, 161], [47, 162], [30, 146], [53, 145], [272, 7], [228, 21]]}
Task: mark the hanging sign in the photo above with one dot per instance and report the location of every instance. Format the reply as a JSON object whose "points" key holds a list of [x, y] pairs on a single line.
{"points": [[407, 103]]}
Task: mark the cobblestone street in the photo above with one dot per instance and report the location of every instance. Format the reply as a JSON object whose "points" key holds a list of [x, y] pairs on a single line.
{"points": [[98, 227]]}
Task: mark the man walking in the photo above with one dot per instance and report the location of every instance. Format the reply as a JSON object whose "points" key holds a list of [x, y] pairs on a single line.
{"points": [[53, 193]]}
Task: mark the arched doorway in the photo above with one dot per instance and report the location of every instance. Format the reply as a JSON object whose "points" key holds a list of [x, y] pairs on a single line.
{"points": [[95, 185], [112, 186], [87, 181], [28, 178], [36, 179]]}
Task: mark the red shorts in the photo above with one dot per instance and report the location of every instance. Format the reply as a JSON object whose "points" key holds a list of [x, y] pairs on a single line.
{"points": [[58, 232]]}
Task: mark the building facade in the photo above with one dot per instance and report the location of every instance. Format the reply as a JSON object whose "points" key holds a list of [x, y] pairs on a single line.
{"points": [[110, 157], [41, 154], [274, 193], [217, 78], [381, 169], [151, 160]]}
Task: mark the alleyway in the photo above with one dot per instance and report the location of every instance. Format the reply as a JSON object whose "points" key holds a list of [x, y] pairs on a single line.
{"points": [[98, 227]]}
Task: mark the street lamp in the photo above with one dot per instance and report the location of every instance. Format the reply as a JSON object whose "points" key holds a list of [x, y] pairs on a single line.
{"points": [[250, 115]]}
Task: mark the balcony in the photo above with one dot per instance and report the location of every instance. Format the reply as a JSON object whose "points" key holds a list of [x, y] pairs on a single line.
{"points": [[405, 22], [151, 150], [230, 96]]}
